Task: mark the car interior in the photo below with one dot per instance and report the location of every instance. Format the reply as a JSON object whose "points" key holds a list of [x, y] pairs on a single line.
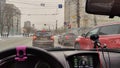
{"points": [[99, 57]]}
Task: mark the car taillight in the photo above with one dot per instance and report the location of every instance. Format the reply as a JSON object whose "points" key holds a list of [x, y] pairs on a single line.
{"points": [[66, 37], [52, 37], [34, 37]]}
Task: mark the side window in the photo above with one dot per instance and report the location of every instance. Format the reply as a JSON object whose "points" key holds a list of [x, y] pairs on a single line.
{"points": [[94, 31], [107, 30]]}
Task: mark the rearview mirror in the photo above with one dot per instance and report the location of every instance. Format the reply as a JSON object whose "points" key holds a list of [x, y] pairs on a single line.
{"points": [[103, 7]]}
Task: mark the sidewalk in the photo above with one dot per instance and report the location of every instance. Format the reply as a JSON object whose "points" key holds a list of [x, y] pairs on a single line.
{"points": [[9, 37], [15, 36]]}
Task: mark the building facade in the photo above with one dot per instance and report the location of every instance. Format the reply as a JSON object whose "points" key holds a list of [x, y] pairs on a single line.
{"points": [[27, 24], [91, 20], [2, 7], [27, 27], [86, 20], [70, 13], [12, 19]]}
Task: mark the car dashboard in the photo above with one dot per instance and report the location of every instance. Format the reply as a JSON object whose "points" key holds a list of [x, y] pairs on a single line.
{"points": [[88, 59], [68, 59], [78, 59]]}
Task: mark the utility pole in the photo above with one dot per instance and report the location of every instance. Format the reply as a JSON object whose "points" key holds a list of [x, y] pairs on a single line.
{"points": [[49, 27], [56, 25], [95, 21], [78, 14], [17, 26], [33, 28], [69, 12]]}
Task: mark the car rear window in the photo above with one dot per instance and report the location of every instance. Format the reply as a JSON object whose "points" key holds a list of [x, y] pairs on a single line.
{"points": [[40, 33]]}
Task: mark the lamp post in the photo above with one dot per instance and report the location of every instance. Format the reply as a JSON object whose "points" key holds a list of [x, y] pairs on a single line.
{"points": [[78, 14]]}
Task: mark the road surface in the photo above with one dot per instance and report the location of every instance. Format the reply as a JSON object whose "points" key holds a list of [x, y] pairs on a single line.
{"points": [[19, 40], [15, 41]]}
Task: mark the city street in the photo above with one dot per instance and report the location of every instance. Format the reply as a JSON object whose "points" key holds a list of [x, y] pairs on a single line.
{"points": [[19, 40], [58, 45], [15, 41]]}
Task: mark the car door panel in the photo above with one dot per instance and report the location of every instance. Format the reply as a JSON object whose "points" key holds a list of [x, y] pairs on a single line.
{"points": [[110, 36], [112, 41], [86, 42]]}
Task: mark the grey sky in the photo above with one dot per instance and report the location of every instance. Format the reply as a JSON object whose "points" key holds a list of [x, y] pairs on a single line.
{"points": [[39, 15]]}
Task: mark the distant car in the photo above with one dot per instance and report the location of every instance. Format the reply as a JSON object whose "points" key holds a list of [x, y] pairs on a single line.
{"points": [[43, 39], [109, 36], [67, 39]]}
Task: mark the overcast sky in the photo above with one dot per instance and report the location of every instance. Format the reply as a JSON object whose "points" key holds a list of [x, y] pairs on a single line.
{"points": [[39, 15]]}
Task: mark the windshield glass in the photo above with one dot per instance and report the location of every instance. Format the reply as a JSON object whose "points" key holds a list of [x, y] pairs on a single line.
{"points": [[54, 23]]}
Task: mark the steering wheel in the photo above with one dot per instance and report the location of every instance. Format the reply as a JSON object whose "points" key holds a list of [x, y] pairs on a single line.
{"points": [[21, 54]]}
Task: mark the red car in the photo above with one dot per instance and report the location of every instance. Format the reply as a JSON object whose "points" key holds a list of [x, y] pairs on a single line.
{"points": [[109, 36]]}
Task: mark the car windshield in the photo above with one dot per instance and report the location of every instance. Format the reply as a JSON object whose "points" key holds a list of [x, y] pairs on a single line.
{"points": [[53, 24]]}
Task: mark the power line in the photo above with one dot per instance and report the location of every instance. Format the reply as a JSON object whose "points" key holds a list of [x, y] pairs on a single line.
{"points": [[35, 8], [38, 14], [46, 7], [24, 3], [39, 5], [35, 4], [39, 1]]}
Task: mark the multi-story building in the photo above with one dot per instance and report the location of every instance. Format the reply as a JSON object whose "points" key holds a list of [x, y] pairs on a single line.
{"points": [[27, 24], [90, 20], [66, 12], [17, 20], [12, 19], [70, 12], [2, 7], [86, 20], [27, 27]]}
